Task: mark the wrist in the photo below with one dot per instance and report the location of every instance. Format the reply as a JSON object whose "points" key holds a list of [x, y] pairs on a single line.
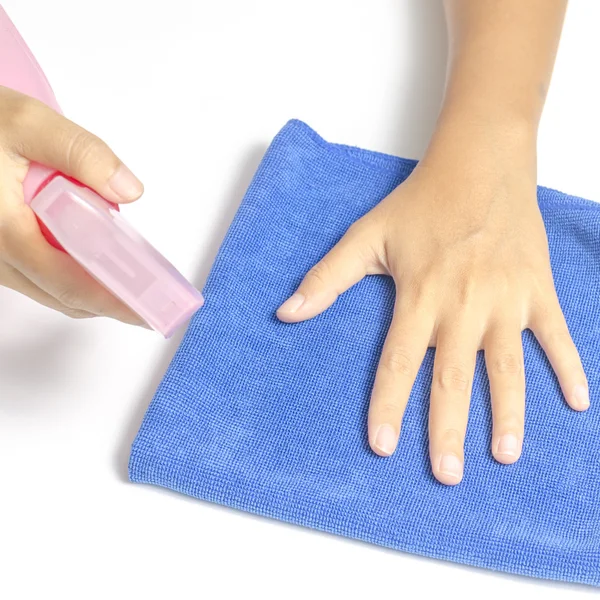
{"points": [[468, 137]]}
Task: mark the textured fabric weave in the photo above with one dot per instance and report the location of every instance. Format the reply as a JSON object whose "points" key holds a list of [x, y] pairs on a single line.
{"points": [[271, 417]]}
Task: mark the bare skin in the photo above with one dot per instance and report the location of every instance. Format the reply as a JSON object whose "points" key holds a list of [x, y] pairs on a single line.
{"points": [[462, 238], [30, 131], [465, 243]]}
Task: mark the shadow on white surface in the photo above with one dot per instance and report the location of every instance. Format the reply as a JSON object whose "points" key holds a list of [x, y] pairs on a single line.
{"points": [[37, 350], [420, 83], [230, 205]]}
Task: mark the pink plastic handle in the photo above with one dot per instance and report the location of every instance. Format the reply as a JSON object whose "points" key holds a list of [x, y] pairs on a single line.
{"points": [[102, 241]]}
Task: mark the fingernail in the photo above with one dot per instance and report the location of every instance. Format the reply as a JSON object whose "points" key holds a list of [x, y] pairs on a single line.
{"points": [[125, 184], [385, 439], [582, 396], [292, 304], [508, 445], [451, 465]]}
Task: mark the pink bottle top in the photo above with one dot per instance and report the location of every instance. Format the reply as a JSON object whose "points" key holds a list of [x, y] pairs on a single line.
{"points": [[85, 225]]}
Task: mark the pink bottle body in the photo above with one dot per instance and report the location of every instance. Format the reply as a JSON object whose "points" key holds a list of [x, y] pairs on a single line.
{"points": [[88, 227], [21, 72]]}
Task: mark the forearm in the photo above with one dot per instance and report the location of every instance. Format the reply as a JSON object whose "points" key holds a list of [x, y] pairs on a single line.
{"points": [[501, 56], [464, 239]]}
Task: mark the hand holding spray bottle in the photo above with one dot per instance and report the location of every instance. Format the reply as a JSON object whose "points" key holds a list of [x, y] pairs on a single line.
{"points": [[89, 228]]}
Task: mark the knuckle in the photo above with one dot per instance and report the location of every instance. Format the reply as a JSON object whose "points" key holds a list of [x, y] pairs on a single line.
{"points": [[453, 379], [398, 361], [465, 291], [84, 148], [71, 299], [446, 439], [509, 422], [388, 411], [452, 435], [320, 273], [415, 290], [508, 363], [74, 313], [419, 299], [419, 291]]}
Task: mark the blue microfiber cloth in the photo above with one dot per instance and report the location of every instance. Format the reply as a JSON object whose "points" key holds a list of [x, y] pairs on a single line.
{"points": [[271, 418]]}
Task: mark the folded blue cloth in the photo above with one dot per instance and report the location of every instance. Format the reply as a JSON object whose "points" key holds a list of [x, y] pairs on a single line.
{"points": [[271, 418]]}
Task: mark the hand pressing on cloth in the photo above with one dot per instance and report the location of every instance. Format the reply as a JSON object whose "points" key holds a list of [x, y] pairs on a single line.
{"points": [[464, 240], [31, 131]]}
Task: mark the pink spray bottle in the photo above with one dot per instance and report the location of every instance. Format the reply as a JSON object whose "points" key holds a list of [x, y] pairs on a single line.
{"points": [[85, 225]]}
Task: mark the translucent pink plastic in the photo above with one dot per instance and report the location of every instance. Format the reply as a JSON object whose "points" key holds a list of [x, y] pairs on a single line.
{"points": [[86, 225]]}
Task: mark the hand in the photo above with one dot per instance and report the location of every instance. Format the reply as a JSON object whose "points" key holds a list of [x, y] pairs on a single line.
{"points": [[31, 131], [464, 240]]}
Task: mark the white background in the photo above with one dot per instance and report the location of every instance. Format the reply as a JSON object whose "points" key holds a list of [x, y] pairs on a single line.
{"points": [[190, 93]]}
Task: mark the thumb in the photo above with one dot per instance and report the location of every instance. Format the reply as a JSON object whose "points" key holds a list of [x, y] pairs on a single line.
{"points": [[42, 135], [343, 266]]}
